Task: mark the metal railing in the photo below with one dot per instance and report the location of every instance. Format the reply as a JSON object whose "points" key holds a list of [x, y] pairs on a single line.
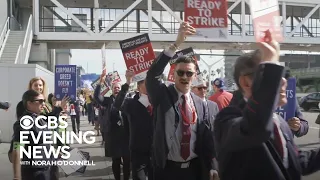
{"points": [[306, 72], [14, 24], [23, 53], [4, 35]]}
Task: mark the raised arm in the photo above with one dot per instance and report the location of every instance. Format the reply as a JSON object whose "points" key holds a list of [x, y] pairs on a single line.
{"points": [[120, 101], [103, 101], [236, 129], [153, 82]]}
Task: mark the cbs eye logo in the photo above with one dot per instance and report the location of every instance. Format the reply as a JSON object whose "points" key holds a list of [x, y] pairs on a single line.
{"points": [[26, 122]]}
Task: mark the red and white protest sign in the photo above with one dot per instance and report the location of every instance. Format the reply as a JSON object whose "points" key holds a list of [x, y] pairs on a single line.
{"points": [[184, 52], [266, 16], [138, 55], [112, 77], [104, 87], [209, 17]]}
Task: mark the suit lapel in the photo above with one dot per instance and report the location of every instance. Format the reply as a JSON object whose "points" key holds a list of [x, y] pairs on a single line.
{"points": [[173, 93], [292, 150], [198, 107]]}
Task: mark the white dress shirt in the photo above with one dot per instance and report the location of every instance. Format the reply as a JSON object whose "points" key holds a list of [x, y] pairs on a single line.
{"points": [[144, 100], [175, 150]]}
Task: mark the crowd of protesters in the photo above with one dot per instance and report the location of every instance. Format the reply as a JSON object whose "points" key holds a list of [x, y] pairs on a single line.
{"points": [[173, 132]]}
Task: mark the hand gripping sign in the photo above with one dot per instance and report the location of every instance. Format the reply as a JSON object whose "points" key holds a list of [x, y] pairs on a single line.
{"points": [[138, 55], [184, 52], [288, 111]]}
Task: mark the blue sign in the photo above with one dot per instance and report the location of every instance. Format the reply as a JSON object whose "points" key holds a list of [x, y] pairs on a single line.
{"points": [[65, 81], [288, 111]]}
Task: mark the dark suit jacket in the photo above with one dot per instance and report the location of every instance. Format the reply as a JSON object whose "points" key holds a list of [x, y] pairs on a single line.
{"points": [[140, 121], [244, 132], [117, 138], [213, 110], [304, 128], [166, 118]]}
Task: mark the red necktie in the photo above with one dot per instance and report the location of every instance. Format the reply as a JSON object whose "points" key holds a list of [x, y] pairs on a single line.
{"points": [[186, 130], [149, 109], [278, 141]]}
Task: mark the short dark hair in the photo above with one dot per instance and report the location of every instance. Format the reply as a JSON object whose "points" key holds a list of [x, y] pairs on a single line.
{"points": [[246, 65], [29, 95], [185, 59], [287, 74]]}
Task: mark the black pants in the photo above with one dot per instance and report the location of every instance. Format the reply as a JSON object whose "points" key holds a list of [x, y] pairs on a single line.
{"points": [[174, 171], [35, 174], [141, 166], [117, 169], [75, 119], [90, 113], [103, 135]]}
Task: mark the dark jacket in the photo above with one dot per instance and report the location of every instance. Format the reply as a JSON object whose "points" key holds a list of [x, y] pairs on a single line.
{"points": [[116, 134], [244, 133], [16, 140], [166, 119], [304, 128], [140, 121]]}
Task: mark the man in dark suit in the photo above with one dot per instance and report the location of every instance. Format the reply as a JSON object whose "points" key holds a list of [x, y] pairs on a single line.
{"points": [[115, 132], [139, 112], [199, 88], [182, 142], [251, 141]]}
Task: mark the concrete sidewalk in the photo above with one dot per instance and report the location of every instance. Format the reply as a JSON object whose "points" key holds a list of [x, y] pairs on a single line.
{"points": [[101, 171]]}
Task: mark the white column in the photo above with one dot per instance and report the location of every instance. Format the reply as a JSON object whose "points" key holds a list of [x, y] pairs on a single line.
{"points": [[284, 19], [36, 17], [150, 17], [243, 17], [96, 16]]}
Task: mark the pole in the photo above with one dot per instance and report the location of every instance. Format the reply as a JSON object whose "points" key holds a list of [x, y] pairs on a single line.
{"points": [[209, 67], [87, 68]]}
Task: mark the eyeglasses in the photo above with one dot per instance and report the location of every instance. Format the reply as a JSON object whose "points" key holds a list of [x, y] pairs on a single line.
{"points": [[181, 73], [202, 88], [39, 100]]}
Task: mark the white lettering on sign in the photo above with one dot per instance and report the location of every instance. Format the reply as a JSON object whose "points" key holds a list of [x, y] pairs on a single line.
{"points": [[200, 4], [65, 70], [64, 83], [282, 113], [137, 55], [206, 21], [65, 76], [181, 54], [141, 66], [289, 94], [205, 9], [134, 42]]}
